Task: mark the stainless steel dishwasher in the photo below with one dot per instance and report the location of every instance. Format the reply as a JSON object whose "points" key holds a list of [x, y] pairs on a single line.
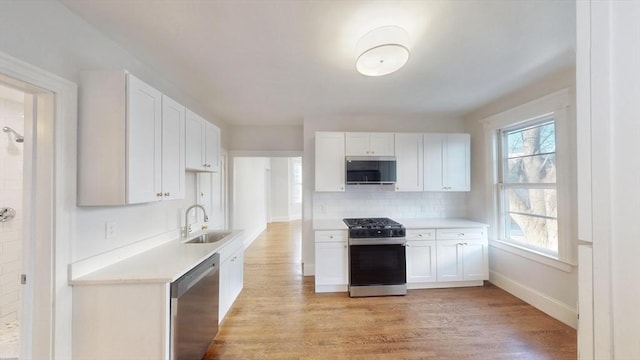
{"points": [[194, 310]]}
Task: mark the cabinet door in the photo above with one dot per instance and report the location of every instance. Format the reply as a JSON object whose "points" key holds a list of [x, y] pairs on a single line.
{"points": [[236, 279], [409, 162], [330, 161], [475, 260], [195, 138], [212, 147], [144, 142], [456, 165], [173, 146], [449, 263], [381, 144], [224, 302], [433, 159], [331, 263], [357, 144], [421, 261]]}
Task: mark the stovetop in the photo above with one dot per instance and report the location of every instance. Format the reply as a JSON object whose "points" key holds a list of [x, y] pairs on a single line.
{"points": [[374, 228], [372, 223]]}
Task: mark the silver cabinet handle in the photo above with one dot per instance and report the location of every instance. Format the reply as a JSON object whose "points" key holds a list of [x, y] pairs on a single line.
{"points": [[167, 194], [159, 194]]}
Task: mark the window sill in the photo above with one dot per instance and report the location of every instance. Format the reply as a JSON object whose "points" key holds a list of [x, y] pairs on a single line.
{"points": [[532, 255]]}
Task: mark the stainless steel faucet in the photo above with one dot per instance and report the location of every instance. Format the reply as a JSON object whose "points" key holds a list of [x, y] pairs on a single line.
{"points": [[187, 226]]}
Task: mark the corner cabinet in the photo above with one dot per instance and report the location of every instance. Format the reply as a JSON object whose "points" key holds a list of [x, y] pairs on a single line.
{"points": [[203, 144], [130, 141], [331, 273], [330, 172], [447, 163], [369, 144]]}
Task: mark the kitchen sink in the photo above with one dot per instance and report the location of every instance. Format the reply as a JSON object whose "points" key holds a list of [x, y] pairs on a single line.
{"points": [[209, 237]]}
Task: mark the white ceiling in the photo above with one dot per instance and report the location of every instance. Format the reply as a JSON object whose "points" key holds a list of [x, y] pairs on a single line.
{"points": [[273, 62]]}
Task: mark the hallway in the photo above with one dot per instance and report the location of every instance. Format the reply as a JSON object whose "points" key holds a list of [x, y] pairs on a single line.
{"points": [[278, 316]]}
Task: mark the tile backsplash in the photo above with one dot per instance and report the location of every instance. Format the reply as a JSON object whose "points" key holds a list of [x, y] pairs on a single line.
{"points": [[383, 201]]}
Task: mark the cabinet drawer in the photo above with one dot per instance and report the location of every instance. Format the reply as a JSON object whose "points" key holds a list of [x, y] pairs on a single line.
{"points": [[331, 236], [229, 249], [421, 234], [461, 234]]}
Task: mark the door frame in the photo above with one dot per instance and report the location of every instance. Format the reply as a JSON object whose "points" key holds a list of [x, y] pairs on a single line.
{"points": [[54, 209]]}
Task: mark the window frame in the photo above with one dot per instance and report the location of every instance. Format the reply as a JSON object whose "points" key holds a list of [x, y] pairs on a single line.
{"points": [[501, 162], [554, 105]]}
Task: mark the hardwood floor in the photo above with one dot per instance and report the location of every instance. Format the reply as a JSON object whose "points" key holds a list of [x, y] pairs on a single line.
{"points": [[278, 316]]}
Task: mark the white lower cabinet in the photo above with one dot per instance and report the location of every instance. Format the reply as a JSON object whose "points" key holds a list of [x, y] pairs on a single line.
{"points": [[462, 254], [117, 321], [446, 257], [231, 276], [436, 258], [421, 262], [331, 273]]}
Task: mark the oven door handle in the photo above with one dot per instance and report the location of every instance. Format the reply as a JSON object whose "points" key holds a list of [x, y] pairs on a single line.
{"points": [[378, 241]]}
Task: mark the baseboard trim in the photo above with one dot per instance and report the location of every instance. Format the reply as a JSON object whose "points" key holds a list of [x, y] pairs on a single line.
{"points": [[442, 285], [308, 269], [332, 288], [252, 236], [552, 307]]}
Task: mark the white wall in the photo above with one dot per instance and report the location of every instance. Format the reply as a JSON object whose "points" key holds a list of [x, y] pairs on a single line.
{"points": [[337, 202], [46, 34], [265, 138], [250, 195], [526, 278], [280, 189], [39, 32]]}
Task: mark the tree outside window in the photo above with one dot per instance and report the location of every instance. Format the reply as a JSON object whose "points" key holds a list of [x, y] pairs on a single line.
{"points": [[528, 192]]}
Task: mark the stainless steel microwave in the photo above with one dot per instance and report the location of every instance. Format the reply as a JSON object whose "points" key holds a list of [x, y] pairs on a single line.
{"points": [[374, 170]]}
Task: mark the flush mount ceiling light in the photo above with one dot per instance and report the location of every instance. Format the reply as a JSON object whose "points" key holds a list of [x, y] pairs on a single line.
{"points": [[382, 51]]}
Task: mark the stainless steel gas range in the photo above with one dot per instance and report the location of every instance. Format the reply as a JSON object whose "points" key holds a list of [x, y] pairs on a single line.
{"points": [[377, 257]]}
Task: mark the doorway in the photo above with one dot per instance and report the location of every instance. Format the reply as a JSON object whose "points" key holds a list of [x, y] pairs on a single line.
{"points": [[48, 200], [13, 217], [267, 190]]}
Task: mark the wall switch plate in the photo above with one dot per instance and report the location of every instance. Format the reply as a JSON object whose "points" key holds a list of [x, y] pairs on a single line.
{"points": [[109, 230]]}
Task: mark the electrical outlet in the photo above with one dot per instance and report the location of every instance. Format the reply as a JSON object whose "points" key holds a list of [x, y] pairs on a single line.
{"points": [[109, 230]]}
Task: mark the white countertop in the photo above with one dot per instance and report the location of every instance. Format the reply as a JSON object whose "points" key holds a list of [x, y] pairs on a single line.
{"points": [[164, 263], [338, 224]]}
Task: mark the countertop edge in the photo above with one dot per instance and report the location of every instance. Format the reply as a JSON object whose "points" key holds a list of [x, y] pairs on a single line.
{"points": [[128, 272]]}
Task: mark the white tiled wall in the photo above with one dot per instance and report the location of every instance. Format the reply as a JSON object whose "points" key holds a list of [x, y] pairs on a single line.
{"points": [[383, 201], [11, 170]]}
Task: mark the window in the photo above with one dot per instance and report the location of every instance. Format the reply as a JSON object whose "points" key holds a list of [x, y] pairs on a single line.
{"points": [[527, 191]]}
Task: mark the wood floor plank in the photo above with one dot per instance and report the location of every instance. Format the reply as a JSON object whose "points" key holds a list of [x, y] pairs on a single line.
{"points": [[279, 316]]}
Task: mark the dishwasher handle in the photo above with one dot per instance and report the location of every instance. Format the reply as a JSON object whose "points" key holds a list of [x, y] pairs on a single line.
{"points": [[191, 278]]}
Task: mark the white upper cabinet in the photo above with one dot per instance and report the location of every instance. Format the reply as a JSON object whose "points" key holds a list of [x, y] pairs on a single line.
{"points": [[409, 162], [203, 144], [120, 142], [369, 144], [330, 161], [173, 149], [447, 163]]}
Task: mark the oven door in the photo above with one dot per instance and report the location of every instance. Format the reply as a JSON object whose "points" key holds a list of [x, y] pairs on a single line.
{"points": [[377, 264]]}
